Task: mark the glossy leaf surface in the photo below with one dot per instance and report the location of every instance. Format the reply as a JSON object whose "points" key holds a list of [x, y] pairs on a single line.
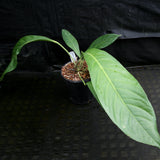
{"points": [[122, 97], [17, 48], [71, 41], [104, 41]]}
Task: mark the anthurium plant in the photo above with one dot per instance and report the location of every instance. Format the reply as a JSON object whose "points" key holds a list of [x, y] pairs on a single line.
{"points": [[116, 90]]}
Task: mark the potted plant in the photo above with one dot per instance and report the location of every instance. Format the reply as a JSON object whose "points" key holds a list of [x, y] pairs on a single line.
{"points": [[75, 77], [116, 90]]}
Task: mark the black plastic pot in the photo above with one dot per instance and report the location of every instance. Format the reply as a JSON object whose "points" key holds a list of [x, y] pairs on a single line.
{"points": [[78, 92]]}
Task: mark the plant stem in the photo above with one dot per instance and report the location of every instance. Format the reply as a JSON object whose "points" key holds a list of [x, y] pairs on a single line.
{"points": [[64, 50], [81, 78]]}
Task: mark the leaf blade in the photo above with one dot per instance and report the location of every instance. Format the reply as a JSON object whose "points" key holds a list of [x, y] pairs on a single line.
{"points": [[133, 113], [104, 41], [71, 41], [17, 48]]}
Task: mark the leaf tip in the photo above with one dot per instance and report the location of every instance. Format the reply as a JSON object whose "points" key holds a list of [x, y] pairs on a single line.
{"points": [[63, 30]]}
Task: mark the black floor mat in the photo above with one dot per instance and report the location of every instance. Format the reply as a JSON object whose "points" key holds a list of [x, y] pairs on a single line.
{"points": [[38, 122]]}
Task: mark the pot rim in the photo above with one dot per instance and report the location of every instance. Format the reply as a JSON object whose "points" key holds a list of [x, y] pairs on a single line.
{"points": [[86, 80]]}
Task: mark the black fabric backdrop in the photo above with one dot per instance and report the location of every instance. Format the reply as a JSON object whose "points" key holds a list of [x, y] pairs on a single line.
{"points": [[137, 21]]}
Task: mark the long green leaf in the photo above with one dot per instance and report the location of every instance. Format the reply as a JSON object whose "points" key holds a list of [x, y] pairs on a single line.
{"points": [[122, 97], [16, 50], [104, 41], [71, 41]]}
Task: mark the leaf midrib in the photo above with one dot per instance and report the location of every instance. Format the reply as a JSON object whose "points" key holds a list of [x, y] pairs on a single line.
{"points": [[119, 95]]}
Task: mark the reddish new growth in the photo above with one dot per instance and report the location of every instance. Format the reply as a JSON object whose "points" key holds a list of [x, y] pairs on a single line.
{"points": [[69, 71]]}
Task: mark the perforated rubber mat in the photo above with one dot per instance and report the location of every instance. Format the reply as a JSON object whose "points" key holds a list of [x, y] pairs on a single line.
{"points": [[38, 122]]}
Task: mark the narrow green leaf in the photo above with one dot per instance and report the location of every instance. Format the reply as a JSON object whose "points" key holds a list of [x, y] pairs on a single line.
{"points": [[122, 97], [104, 41], [17, 48], [71, 42]]}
